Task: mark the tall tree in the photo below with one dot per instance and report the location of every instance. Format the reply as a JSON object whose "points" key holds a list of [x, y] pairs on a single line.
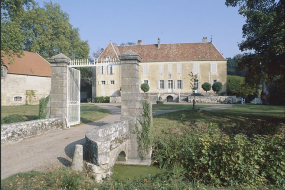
{"points": [[232, 66], [49, 32], [27, 26], [12, 12], [264, 43]]}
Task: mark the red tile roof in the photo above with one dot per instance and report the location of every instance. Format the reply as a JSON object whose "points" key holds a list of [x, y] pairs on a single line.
{"points": [[169, 52], [29, 64]]}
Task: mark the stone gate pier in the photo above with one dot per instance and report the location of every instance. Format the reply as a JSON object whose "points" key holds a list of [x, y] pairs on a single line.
{"points": [[117, 142]]}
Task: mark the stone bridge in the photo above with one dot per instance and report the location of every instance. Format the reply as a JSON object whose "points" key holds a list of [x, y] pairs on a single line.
{"points": [[117, 142]]}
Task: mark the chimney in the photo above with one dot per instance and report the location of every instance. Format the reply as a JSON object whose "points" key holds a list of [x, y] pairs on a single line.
{"points": [[204, 39], [158, 43], [139, 42]]}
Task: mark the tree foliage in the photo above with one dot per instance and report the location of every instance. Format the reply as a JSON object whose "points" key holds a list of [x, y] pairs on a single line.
{"points": [[236, 86], [46, 30], [264, 43], [206, 86], [12, 11], [217, 86], [232, 66]]}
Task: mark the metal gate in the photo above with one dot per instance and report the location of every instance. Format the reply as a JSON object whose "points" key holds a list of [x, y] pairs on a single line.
{"points": [[73, 96]]}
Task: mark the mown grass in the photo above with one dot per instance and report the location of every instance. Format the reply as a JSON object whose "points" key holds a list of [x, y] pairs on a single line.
{"points": [[175, 106], [245, 119], [89, 112]]}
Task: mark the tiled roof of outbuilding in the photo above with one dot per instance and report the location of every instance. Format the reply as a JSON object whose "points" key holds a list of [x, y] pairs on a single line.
{"points": [[29, 64]]}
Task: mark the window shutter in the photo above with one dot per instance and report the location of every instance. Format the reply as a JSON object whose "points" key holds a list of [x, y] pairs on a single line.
{"points": [[165, 84], [142, 82], [161, 68], [158, 84], [179, 68], [99, 82], [196, 68], [114, 82], [169, 68], [213, 67], [181, 84], [113, 71], [109, 70]]}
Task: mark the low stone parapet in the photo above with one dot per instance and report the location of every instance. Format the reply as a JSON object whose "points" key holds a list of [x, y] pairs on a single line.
{"points": [[213, 99], [115, 99], [103, 146], [15, 132]]}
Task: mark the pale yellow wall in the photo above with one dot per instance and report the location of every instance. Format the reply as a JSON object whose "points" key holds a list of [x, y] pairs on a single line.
{"points": [[16, 85], [108, 78], [154, 75]]}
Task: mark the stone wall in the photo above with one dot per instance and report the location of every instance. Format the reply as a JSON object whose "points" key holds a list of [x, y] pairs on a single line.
{"points": [[30, 88], [15, 132], [115, 99], [213, 99]]}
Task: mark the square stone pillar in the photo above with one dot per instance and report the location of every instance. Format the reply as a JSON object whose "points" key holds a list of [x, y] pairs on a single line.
{"points": [[58, 94], [131, 105]]}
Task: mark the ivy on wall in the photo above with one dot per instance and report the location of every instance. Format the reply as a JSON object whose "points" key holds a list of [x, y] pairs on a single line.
{"points": [[43, 109], [144, 136]]}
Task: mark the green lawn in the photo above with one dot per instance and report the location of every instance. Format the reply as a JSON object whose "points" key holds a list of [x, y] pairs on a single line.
{"points": [[89, 112], [246, 119], [174, 106]]}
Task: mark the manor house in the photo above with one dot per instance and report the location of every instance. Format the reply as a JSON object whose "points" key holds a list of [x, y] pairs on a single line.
{"points": [[165, 67]]}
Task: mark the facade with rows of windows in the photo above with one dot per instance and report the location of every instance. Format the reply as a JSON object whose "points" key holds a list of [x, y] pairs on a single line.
{"points": [[165, 67]]}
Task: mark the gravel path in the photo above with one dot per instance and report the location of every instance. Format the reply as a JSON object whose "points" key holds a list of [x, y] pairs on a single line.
{"points": [[54, 148]]}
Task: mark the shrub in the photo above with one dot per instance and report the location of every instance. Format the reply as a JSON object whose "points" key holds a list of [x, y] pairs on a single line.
{"points": [[236, 86], [43, 109], [102, 99], [13, 119], [217, 86], [212, 157], [145, 87], [206, 86]]}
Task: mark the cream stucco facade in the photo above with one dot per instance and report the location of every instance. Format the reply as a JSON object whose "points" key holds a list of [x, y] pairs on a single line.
{"points": [[165, 67], [23, 89], [164, 77]]}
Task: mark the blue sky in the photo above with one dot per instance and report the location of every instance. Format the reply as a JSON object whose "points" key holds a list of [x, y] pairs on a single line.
{"points": [[173, 21]]}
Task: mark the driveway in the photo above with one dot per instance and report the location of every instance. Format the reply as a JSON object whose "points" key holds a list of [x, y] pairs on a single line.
{"points": [[54, 148]]}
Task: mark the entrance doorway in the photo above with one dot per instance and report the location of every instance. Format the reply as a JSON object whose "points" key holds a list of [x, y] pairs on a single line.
{"points": [[169, 99]]}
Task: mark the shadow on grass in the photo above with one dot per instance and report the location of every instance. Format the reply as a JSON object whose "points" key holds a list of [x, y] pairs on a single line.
{"points": [[229, 122]]}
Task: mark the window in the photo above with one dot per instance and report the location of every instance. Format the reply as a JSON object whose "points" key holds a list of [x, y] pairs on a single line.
{"points": [[17, 99], [179, 68], [112, 82], [169, 68], [196, 85], [145, 69], [213, 67], [145, 81], [161, 84], [180, 84], [103, 82], [196, 68], [161, 68], [170, 84], [101, 70], [111, 70]]}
